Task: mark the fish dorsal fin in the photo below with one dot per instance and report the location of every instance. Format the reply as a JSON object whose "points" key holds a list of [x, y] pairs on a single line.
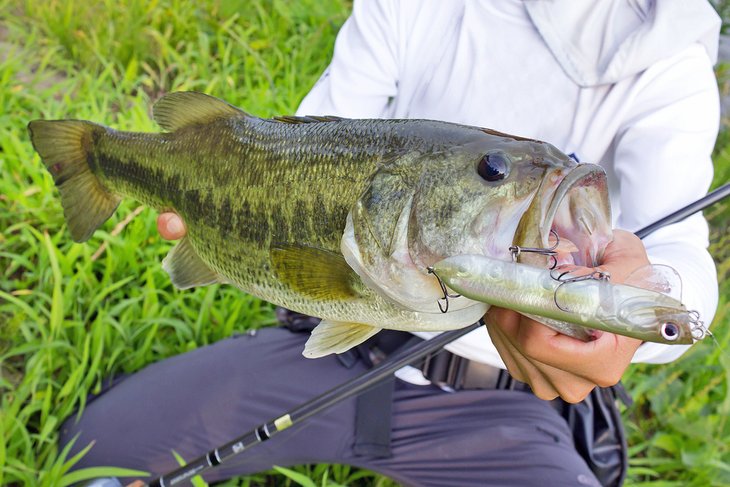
{"points": [[307, 119], [184, 108], [186, 268], [657, 277], [336, 337], [317, 273]]}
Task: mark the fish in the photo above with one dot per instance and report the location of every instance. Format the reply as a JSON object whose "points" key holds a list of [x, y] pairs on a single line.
{"points": [[575, 304], [332, 217]]}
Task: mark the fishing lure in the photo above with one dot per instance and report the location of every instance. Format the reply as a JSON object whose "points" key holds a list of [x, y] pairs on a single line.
{"points": [[573, 305]]}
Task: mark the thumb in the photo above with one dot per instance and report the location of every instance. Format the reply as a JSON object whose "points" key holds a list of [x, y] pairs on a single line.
{"points": [[171, 226]]}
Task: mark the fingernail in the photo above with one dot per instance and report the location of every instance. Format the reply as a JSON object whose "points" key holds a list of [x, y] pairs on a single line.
{"points": [[174, 225]]}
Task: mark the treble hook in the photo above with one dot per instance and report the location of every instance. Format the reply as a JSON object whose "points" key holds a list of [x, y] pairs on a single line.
{"points": [[697, 326], [446, 294], [516, 250], [595, 275]]}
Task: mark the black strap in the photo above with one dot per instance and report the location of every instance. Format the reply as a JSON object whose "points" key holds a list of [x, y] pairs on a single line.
{"points": [[454, 372], [374, 409], [296, 322]]}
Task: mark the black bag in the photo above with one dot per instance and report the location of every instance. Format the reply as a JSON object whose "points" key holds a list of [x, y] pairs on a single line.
{"points": [[598, 432]]}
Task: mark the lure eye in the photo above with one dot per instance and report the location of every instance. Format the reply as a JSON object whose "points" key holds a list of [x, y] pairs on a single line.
{"points": [[494, 167], [669, 331]]}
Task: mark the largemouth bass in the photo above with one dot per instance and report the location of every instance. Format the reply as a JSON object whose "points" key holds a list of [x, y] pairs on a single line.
{"points": [[331, 217], [574, 305]]}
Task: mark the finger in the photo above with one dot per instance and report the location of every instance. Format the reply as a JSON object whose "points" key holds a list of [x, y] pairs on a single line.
{"points": [[502, 325], [624, 255], [601, 361], [508, 354], [547, 382], [570, 387], [623, 239], [170, 226], [523, 335], [521, 369]]}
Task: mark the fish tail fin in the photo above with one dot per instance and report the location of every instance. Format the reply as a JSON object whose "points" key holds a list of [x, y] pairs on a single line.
{"points": [[64, 147]]}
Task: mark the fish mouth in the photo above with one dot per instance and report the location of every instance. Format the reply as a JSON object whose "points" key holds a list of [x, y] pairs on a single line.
{"points": [[576, 222]]}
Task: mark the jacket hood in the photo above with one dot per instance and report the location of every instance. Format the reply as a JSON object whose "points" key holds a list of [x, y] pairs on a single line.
{"points": [[638, 33]]}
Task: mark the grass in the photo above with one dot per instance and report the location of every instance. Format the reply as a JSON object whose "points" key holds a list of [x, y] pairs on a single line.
{"points": [[72, 314]]}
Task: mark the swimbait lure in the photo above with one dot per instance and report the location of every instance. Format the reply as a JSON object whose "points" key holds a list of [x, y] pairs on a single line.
{"points": [[572, 305]]}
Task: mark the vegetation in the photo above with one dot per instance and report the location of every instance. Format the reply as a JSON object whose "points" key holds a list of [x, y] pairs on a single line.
{"points": [[73, 314]]}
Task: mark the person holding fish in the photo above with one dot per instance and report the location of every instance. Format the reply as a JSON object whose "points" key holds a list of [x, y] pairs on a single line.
{"points": [[628, 86]]}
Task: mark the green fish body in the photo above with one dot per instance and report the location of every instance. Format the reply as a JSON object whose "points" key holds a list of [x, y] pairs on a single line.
{"points": [[332, 217]]}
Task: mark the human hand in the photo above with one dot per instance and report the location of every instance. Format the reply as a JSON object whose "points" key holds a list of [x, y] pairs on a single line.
{"points": [[171, 226], [554, 364]]}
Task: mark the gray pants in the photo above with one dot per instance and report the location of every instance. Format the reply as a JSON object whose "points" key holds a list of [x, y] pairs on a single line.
{"points": [[202, 399]]}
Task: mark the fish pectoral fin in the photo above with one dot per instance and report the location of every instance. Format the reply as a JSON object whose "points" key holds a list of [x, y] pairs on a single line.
{"points": [[184, 108], [186, 268], [336, 337], [316, 273]]}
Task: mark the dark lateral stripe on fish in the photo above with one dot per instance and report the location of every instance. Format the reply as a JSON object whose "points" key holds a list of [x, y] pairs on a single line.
{"points": [[145, 178]]}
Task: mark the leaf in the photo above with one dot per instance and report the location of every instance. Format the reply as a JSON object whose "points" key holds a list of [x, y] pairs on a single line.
{"points": [[297, 477], [197, 481], [668, 443], [99, 472], [724, 407]]}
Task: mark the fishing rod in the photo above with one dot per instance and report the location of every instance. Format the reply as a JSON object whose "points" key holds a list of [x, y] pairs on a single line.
{"points": [[373, 376], [339, 393], [692, 208]]}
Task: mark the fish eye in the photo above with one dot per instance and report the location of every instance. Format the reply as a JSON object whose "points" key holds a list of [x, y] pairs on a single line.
{"points": [[669, 331], [494, 167]]}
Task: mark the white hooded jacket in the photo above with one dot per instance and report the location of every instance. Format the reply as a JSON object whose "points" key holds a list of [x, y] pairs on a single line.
{"points": [[627, 84]]}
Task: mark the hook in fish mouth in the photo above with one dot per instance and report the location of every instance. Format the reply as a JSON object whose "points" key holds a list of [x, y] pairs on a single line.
{"points": [[551, 252]]}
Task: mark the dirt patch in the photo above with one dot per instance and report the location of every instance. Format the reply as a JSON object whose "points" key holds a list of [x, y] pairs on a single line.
{"points": [[26, 76]]}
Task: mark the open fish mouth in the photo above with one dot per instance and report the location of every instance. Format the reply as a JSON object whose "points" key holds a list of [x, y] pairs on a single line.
{"points": [[579, 214]]}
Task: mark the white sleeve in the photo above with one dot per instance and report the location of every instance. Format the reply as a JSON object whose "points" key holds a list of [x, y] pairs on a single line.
{"points": [[362, 78], [663, 162]]}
